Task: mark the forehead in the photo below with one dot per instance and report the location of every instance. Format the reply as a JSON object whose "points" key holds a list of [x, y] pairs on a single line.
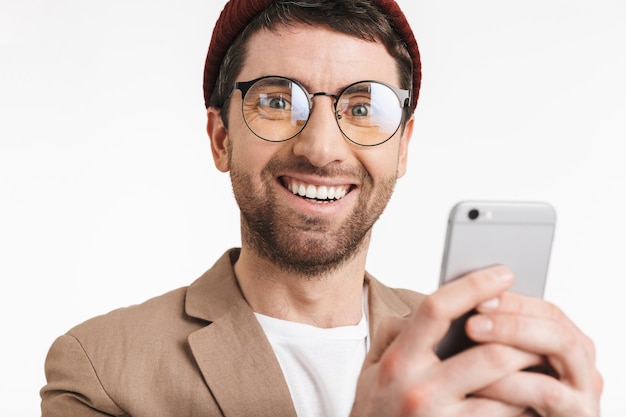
{"points": [[318, 57]]}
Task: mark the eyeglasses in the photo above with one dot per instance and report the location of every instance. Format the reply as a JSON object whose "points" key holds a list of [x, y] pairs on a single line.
{"points": [[276, 109]]}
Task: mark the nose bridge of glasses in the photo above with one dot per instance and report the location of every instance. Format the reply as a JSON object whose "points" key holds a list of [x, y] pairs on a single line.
{"points": [[335, 97], [324, 94]]}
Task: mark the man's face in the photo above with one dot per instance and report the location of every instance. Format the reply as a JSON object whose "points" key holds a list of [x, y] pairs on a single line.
{"points": [[310, 234]]}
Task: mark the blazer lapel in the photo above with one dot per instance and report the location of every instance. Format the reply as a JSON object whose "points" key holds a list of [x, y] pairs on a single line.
{"points": [[386, 302], [232, 352], [234, 356]]}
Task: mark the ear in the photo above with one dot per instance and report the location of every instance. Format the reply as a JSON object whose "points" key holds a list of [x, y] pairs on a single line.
{"points": [[219, 138], [404, 147]]}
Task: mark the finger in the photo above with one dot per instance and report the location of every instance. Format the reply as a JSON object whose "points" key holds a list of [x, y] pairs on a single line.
{"points": [[483, 365], [568, 351], [433, 317], [520, 304], [509, 303], [536, 307], [476, 406], [471, 289], [545, 395]]}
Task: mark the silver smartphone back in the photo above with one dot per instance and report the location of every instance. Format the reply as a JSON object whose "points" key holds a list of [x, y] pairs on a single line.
{"points": [[483, 233], [516, 234]]}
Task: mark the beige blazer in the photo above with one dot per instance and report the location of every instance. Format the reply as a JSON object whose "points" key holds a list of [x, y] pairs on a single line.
{"points": [[195, 351]]}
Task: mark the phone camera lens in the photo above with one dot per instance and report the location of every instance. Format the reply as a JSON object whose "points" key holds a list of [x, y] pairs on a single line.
{"points": [[473, 214]]}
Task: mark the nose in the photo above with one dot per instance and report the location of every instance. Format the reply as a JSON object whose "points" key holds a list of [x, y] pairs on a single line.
{"points": [[321, 141]]}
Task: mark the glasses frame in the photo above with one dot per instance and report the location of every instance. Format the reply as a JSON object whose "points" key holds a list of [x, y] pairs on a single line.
{"points": [[404, 100]]}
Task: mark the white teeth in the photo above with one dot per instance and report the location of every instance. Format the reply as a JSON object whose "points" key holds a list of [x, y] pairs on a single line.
{"points": [[322, 192], [319, 193]]}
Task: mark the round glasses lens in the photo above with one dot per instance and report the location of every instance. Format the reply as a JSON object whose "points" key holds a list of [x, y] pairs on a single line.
{"points": [[275, 108], [369, 113]]}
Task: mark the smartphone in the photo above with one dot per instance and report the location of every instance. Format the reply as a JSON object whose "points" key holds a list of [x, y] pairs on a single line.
{"points": [[484, 233]]}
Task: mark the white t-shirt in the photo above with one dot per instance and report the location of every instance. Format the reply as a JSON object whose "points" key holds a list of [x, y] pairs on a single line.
{"points": [[321, 366]]}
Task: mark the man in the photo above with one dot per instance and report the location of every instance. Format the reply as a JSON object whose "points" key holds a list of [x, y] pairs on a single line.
{"points": [[310, 108]]}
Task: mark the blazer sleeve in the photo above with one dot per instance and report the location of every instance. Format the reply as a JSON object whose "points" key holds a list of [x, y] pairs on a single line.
{"points": [[73, 388]]}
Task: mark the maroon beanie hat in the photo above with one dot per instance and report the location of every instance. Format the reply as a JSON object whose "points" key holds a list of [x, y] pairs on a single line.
{"points": [[238, 13]]}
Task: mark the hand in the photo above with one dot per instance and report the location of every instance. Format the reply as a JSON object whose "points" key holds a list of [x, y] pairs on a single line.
{"points": [[402, 375], [534, 325]]}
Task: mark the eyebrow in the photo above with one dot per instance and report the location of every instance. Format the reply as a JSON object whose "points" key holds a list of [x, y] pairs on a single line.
{"points": [[281, 82], [363, 87], [306, 86]]}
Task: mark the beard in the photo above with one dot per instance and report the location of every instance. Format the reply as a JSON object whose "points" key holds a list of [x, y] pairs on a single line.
{"points": [[305, 245]]}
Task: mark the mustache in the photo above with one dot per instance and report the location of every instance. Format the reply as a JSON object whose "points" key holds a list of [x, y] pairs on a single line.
{"points": [[302, 165]]}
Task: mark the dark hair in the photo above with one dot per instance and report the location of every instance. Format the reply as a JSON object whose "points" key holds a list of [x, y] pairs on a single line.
{"points": [[361, 19]]}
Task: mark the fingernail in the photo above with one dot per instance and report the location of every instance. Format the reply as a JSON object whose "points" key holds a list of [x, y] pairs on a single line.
{"points": [[481, 324], [503, 274], [489, 305]]}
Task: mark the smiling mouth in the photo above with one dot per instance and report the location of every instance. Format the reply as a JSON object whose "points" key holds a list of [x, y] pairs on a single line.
{"points": [[320, 193]]}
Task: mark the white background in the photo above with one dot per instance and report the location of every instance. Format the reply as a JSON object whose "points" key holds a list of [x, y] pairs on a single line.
{"points": [[109, 196]]}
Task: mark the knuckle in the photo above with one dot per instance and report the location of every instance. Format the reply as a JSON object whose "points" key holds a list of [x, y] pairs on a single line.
{"points": [[498, 356], [433, 308], [417, 401], [477, 278], [554, 312], [554, 397], [598, 382], [590, 345], [391, 367], [508, 327], [567, 340]]}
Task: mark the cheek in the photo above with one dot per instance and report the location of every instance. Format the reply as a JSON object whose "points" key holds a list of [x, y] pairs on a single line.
{"points": [[250, 154], [244, 158], [242, 144], [381, 162]]}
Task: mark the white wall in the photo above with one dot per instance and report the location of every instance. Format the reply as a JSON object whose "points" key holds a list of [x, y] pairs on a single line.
{"points": [[108, 194]]}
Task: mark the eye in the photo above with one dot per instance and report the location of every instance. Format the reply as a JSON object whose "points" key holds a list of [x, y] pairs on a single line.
{"points": [[360, 110], [277, 103]]}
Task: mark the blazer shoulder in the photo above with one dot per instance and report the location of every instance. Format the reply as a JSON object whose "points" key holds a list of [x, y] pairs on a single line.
{"points": [[158, 312], [121, 351]]}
